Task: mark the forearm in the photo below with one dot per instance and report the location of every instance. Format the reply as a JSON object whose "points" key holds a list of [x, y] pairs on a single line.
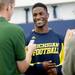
{"points": [[23, 65], [28, 59]]}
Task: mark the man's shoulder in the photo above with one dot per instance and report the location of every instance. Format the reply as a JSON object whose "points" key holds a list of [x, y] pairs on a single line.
{"points": [[61, 37], [14, 29], [14, 26]]}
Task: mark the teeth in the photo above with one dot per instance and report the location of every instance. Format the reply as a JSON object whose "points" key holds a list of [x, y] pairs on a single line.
{"points": [[39, 21]]}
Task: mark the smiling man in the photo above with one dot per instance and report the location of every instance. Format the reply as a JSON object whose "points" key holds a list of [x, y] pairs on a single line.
{"points": [[48, 44]]}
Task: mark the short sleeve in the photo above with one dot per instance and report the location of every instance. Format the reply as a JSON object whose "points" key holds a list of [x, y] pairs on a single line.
{"points": [[19, 44]]}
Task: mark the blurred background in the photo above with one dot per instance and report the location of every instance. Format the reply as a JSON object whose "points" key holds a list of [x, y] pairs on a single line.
{"points": [[61, 14]]}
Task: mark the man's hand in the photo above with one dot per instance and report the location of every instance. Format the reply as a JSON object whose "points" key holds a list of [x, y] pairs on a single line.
{"points": [[31, 47], [52, 71], [50, 67]]}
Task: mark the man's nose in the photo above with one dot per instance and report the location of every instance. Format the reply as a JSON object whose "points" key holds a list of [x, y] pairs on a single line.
{"points": [[38, 16]]}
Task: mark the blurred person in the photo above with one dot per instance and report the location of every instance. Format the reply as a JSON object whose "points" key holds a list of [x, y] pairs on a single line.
{"points": [[49, 45], [69, 47], [12, 44]]}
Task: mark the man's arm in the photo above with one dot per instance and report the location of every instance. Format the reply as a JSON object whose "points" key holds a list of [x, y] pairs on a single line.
{"points": [[69, 61], [24, 64], [50, 67]]}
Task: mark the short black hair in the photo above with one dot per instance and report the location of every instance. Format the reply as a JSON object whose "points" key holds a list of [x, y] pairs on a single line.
{"points": [[40, 5]]}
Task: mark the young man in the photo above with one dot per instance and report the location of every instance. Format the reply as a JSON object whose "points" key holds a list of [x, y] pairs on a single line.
{"points": [[69, 47], [12, 44], [48, 43]]}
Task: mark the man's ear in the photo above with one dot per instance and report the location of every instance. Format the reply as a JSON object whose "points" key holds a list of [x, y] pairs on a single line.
{"points": [[8, 7], [47, 15]]}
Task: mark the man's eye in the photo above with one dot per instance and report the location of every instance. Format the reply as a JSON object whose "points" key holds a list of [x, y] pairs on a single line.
{"points": [[34, 14], [40, 13]]}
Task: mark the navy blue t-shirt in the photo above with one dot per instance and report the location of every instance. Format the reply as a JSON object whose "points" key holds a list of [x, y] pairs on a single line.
{"points": [[49, 46]]}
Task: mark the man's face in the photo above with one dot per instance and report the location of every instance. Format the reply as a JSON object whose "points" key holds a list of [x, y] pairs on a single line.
{"points": [[10, 10], [40, 16]]}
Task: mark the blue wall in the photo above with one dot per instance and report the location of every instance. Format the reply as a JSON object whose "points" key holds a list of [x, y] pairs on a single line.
{"points": [[59, 26]]}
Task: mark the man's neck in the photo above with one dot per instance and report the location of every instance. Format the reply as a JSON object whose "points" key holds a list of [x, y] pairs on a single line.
{"points": [[42, 30], [1, 16]]}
